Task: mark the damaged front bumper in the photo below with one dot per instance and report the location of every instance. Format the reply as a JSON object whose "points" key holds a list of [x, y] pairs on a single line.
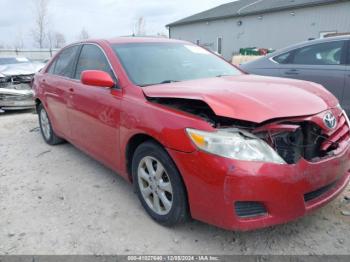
{"points": [[245, 195], [16, 93], [11, 99]]}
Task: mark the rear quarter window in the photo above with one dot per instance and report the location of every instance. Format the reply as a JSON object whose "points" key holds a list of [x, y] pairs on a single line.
{"points": [[283, 58], [52, 67], [65, 62]]}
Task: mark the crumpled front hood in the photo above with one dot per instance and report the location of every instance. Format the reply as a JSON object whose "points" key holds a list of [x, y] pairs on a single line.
{"points": [[20, 69], [251, 98]]}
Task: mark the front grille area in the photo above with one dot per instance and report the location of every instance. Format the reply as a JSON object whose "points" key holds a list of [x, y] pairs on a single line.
{"points": [[8, 97], [247, 209], [319, 192], [340, 134], [296, 140], [22, 78], [305, 141], [18, 82]]}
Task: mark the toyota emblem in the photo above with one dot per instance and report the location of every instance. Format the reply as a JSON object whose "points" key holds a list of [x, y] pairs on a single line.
{"points": [[329, 120]]}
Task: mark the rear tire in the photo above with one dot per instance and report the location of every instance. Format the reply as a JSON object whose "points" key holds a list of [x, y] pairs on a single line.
{"points": [[159, 185], [46, 128]]}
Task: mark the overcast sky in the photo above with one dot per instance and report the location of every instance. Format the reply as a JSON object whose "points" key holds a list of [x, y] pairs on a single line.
{"points": [[101, 18]]}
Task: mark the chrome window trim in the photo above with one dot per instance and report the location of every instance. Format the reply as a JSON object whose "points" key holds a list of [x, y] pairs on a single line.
{"points": [[82, 45], [273, 61]]}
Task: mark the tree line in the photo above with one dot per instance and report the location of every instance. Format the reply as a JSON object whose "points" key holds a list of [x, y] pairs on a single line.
{"points": [[42, 35]]}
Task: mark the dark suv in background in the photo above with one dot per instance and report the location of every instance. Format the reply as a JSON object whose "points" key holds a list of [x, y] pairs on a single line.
{"points": [[324, 61]]}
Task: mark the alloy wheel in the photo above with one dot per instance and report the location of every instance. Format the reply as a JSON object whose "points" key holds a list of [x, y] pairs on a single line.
{"points": [[45, 124], [155, 185]]}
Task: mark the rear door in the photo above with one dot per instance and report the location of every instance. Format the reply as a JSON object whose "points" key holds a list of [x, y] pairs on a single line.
{"points": [[57, 82], [322, 63], [95, 111]]}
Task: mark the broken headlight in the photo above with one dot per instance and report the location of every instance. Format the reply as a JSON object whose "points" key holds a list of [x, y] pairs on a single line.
{"points": [[235, 144]]}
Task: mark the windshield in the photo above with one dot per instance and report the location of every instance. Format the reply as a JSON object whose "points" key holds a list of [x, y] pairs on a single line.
{"points": [[13, 60], [156, 63]]}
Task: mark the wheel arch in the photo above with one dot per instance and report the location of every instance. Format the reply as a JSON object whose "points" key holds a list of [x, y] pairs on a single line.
{"points": [[37, 103], [131, 147], [132, 144]]}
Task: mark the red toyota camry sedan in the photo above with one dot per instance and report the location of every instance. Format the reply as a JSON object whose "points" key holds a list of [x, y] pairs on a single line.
{"points": [[194, 135]]}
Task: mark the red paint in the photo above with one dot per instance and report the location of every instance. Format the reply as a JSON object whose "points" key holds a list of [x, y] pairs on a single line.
{"points": [[277, 128], [97, 78], [255, 98], [101, 122], [216, 183]]}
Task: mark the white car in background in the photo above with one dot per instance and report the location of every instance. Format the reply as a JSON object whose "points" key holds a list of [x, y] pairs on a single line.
{"points": [[16, 74]]}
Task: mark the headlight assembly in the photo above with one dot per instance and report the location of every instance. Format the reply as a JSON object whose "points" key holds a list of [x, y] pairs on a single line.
{"points": [[235, 144]]}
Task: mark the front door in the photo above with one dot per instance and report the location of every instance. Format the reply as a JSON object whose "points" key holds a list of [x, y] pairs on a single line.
{"points": [[94, 112]]}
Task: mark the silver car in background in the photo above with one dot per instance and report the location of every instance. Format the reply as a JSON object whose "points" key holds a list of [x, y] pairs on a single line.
{"points": [[324, 61], [16, 74]]}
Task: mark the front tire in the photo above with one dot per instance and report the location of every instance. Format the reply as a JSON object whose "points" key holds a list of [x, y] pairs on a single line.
{"points": [[158, 185], [46, 128]]}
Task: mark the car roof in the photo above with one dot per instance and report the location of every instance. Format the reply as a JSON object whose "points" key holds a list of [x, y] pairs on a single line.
{"points": [[127, 40], [122, 40], [324, 40]]}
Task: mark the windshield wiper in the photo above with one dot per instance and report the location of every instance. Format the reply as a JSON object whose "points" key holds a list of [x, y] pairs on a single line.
{"points": [[169, 81], [163, 82], [223, 75]]}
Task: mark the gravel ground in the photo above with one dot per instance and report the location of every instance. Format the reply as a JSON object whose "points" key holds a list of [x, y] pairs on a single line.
{"points": [[57, 200]]}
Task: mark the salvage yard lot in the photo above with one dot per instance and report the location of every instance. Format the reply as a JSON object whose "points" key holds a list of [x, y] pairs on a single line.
{"points": [[57, 200]]}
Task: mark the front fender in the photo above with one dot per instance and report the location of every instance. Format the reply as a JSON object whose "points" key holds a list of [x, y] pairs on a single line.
{"points": [[164, 124]]}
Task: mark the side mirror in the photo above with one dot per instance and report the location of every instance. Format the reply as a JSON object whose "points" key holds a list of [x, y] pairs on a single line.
{"points": [[97, 78]]}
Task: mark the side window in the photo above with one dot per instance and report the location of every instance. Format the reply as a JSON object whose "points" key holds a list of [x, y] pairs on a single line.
{"points": [[66, 61], [92, 58], [320, 54], [283, 58]]}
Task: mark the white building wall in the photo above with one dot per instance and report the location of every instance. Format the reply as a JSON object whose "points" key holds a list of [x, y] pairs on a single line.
{"points": [[270, 30]]}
